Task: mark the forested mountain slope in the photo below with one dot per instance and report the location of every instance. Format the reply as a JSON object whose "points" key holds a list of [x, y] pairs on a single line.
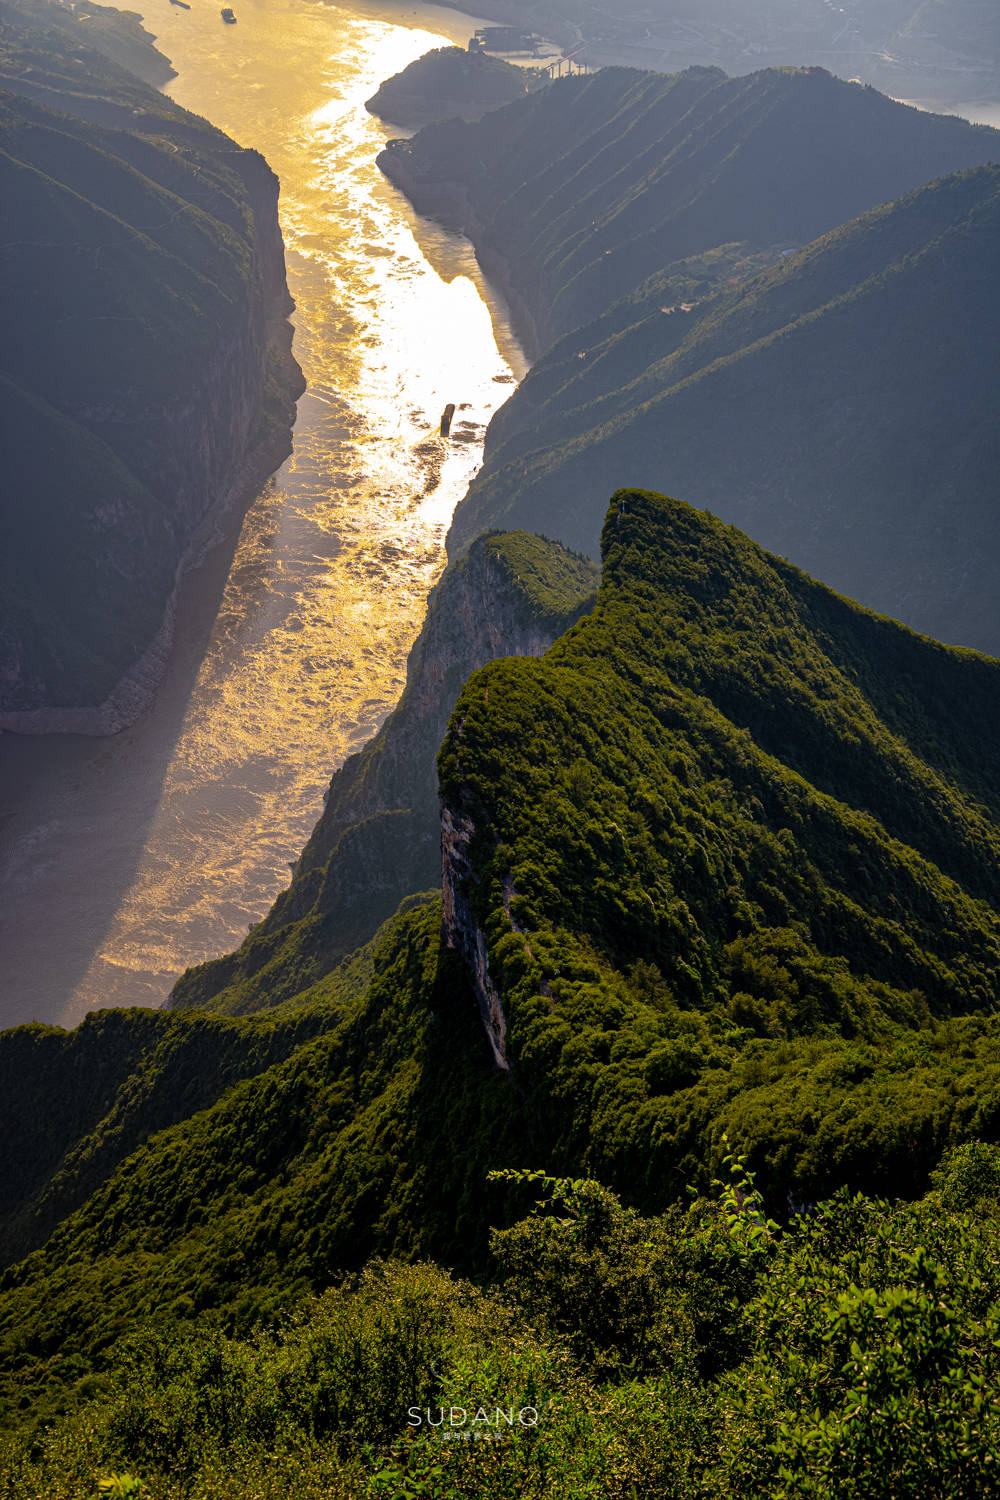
{"points": [[117, 35], [839, 405], [577, 193], [724, 859], [113, 1082], [145, 373]]}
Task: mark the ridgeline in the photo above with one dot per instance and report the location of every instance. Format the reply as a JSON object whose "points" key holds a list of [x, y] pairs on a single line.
{"points": [[721, 863], [581, 191], [379, 836]]}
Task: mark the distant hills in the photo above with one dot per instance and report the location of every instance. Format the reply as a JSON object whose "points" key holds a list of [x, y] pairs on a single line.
{"points": [[840, 406], [448, 82], [145, 370], [836, 401], [581, 191], [927, 49]]}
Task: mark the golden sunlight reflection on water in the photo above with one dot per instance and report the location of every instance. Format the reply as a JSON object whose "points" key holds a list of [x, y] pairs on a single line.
{"points": [[153, 870]]}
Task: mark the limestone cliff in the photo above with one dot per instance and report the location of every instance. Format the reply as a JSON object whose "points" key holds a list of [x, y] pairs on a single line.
{"points": [[462, 932]]}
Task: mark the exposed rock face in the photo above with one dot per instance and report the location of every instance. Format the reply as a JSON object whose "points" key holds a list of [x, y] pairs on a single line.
{"points": [[480, 610], [379, 836], [147, 385], [463, 933]]}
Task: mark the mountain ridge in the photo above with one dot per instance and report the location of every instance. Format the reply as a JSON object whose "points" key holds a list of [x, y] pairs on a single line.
{"points": [[876, 339], [587, 187], [721, 865]]}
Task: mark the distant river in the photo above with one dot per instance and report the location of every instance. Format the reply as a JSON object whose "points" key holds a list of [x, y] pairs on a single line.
{"points": [[979, 111], [122, 861]]}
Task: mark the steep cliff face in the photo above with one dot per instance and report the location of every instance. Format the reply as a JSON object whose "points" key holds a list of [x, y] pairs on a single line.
{"points": [[379, 836], [146, 378], [463, 934]]}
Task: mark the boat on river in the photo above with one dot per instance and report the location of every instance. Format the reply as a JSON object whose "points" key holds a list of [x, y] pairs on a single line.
{"points": [[229, 16], [182, 3]]}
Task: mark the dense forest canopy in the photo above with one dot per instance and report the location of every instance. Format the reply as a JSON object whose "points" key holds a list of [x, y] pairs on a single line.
{"points": [[728, 853]]}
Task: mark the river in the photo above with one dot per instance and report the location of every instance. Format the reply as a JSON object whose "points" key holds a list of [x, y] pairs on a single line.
{"points": [[122, 861], [979, 111]]}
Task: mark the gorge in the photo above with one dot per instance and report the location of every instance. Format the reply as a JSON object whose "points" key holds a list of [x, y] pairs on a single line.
{"points": [[710, 268], [726, 881], [160, 846], [623, 1049]]}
